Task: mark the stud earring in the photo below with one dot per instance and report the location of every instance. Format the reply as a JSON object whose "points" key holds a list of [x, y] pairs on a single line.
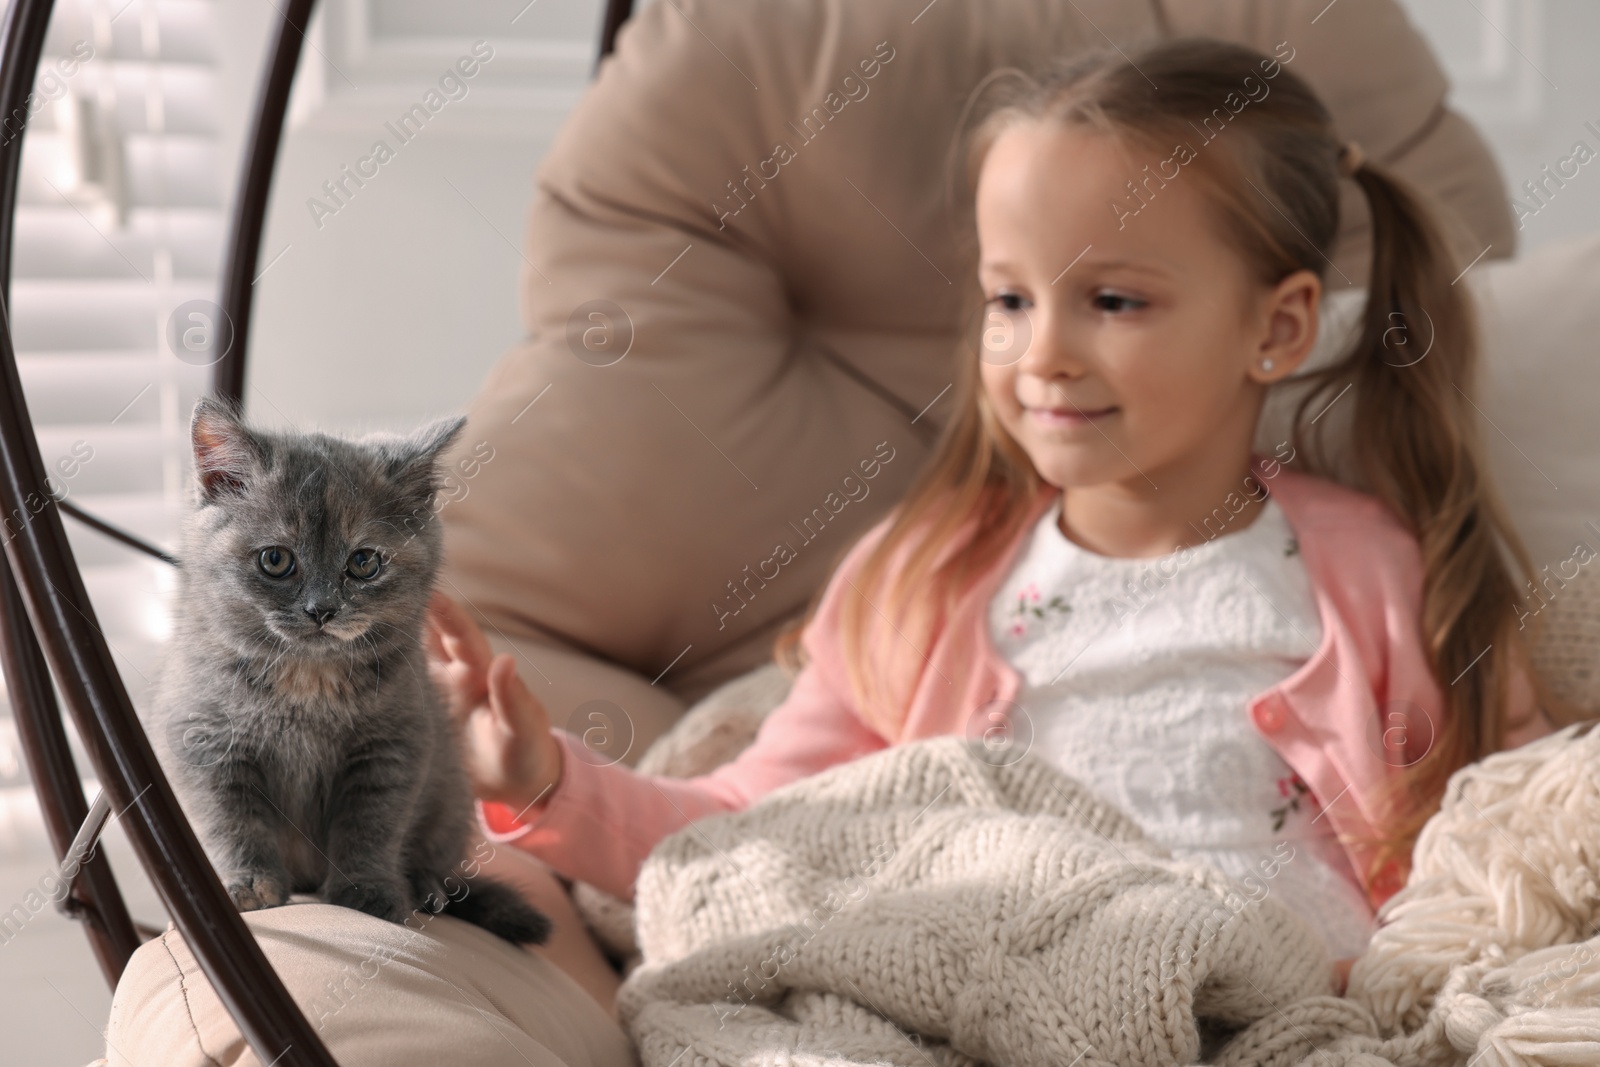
{"points": [[1266, 364]]}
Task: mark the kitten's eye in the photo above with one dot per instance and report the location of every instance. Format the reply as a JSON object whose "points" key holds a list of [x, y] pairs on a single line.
{"points": [[363, 563], [276, 561]]}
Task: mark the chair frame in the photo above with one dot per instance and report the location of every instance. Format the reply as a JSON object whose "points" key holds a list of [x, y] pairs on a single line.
{"points": [[48, 626]]}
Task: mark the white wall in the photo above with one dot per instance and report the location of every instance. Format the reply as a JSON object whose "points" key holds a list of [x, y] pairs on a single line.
{"points": [[1524, 70], [392, 309]]}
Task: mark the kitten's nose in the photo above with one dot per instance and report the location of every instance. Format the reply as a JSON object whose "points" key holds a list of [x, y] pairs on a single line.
{"points": [[321, 613]]}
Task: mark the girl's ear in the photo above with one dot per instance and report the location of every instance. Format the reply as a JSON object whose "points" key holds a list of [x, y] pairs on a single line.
{"points": [[1289, 327], [227, 456]]}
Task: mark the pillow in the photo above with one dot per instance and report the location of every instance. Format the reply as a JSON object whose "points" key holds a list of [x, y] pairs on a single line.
{"points": [[738, 352], [380, 994], [1541, 318]]}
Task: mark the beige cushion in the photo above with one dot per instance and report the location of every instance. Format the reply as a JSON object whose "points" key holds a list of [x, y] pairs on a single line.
{"points": [[379, 994], [1541, 316], [769, 354]]}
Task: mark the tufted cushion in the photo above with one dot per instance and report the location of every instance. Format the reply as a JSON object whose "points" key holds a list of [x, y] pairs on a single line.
{"points": [[776, 327], [379, 994]]}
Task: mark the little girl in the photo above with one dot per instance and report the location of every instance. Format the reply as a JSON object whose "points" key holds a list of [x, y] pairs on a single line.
{"points": [[1271, 672]]}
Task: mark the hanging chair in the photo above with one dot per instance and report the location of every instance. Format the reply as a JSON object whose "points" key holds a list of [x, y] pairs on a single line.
{"points": [[48, 625], [797, 314]]}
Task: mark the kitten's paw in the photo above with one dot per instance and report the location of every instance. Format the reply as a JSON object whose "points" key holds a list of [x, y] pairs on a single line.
{"points": [[386, 900], [254, 890]]}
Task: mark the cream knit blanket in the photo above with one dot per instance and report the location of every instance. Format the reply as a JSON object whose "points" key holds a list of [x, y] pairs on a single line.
{"points": [[925, 906]]}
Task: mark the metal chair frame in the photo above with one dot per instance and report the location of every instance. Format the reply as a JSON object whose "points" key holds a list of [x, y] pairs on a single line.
{"points": [[48, 626]]}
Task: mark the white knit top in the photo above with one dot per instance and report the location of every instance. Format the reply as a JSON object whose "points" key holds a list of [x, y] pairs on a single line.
{"points": [[1136, 679]]}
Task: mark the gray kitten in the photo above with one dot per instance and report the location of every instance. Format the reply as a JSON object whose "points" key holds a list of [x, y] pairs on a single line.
{"points": [[295, 715]]}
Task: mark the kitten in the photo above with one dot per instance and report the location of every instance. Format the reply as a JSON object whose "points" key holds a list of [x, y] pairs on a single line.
{"points": [[295, 715]]}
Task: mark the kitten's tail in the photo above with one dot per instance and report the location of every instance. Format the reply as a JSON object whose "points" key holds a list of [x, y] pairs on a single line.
{"points": [[502, 911]]}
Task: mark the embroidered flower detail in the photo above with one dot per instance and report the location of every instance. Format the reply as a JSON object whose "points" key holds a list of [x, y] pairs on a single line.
{"points": [[1291, 547], [1293, 787], [1029, 604]]}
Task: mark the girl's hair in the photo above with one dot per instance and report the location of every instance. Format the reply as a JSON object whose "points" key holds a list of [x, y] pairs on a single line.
{"points": [[1272, 178]]}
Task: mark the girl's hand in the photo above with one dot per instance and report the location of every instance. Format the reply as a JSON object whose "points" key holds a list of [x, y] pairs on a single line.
{"points": [[458, 655], [511, 755]]}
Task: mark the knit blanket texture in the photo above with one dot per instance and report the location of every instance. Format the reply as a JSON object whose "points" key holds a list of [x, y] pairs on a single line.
{"points": [[931, 904]]}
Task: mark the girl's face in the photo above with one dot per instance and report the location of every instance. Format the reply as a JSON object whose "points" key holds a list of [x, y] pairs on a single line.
{"points": [[1119, 344]]}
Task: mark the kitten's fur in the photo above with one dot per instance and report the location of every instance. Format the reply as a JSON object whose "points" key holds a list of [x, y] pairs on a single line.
{"points": [[295, 715]]}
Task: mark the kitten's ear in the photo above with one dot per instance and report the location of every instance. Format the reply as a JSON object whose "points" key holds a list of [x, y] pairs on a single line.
{"points": [[427, 443], [414, 462], [227, 457]]}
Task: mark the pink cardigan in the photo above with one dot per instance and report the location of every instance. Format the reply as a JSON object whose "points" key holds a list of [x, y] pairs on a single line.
{"points": [[1354, 713]]}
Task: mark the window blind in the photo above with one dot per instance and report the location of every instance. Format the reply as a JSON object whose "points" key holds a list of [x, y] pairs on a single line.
{"points": [[119, 230]]}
